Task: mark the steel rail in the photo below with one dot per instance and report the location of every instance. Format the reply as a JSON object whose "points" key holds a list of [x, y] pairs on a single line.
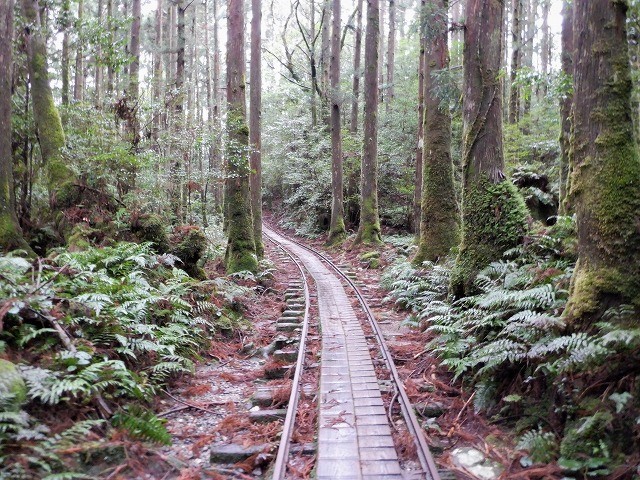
{"points": [[280, 463], [424, 454]]}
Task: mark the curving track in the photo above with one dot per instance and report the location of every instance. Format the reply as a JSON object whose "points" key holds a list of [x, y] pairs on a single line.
{"points": [[354, 435]]}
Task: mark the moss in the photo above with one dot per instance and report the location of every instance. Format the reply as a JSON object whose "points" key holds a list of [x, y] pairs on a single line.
{"points": [[439, 223], [79, 238], [369, 229], [13, 391], [10, 235], [337, 233], [190, 247], [605, 195], [586, 437], [151, 228], [494, 220], [371, 259], [241, 248]]}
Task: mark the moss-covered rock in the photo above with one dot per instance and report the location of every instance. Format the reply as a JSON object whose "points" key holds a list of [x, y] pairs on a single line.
{"points": [[371, 259], [151, 228], [13, 391], [80, 237], [494, 220], [587, 437], [190, 244]]}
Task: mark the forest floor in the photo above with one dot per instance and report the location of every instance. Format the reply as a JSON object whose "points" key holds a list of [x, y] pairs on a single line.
{"points": [[211, 408]]}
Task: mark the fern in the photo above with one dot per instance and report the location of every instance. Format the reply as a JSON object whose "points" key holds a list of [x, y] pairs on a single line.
{"points": [[543, 447], [142, 424]]}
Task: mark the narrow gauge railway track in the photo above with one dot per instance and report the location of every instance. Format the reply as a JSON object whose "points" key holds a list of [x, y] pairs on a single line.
{"points": [[354, 439]]}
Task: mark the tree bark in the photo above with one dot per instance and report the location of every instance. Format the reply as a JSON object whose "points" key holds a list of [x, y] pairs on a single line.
{"points": [[605, 183], [417, 186], [110, 69], [78, 87], [439, 216], [337, 230], [134, 77], [355, 107], [516, 57], [369, 229], [255, 112], [10, 232], [47, 119], [381, 85], [325, 63], [545, 45], [527, 54], [494, 214], [566, 102], [241, 247], [157, 74], [65, 55], [391, 49], [99, 69]]}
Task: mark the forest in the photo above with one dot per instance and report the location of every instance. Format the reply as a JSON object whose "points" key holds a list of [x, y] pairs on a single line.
{"points": [[476, 161]]}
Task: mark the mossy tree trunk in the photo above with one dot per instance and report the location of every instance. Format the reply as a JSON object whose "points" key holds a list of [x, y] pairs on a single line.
{"points": [[337, 230], [493, 213], [133, 127], [439, 220], [566, 101], [241, 247], [10, 232], [255, 112], [369, 228], [605, 175], [47, 119], [78, 85]]}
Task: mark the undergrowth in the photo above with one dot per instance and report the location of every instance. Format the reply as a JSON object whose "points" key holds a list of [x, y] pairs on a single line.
{"points": [[573, 391], [97, 333]]}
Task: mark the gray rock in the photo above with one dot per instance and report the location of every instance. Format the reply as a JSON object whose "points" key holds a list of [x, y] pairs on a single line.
{"points": [[269, 415], [475, 462], [429, 409], [235, 453]]}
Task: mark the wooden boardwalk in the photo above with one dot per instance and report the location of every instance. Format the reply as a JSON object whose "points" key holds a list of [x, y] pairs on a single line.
{"points": [[354, 439]]}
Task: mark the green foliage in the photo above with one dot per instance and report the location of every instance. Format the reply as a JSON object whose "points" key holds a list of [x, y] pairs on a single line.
{"points": [[142, 424], [134, 321], [510, 342]]}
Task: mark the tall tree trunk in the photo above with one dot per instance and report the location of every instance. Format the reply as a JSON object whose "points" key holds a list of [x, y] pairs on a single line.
{"points": [[356, 71], [47, 119], [493, 212], [134, 77], [545, 45], [110, 33], [218, 101], [10, 232], [255, 112], [65, 59], [381, 84], [157, 75], [439, 217], [516, 56], [78, 87], [605, 184], [391, 48], [313, 67], [241, 247], [527, 54], [99, 68], [180, 50], [337, 230], [566, 102], [369, 229], [417, 186], [325, 55]]}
